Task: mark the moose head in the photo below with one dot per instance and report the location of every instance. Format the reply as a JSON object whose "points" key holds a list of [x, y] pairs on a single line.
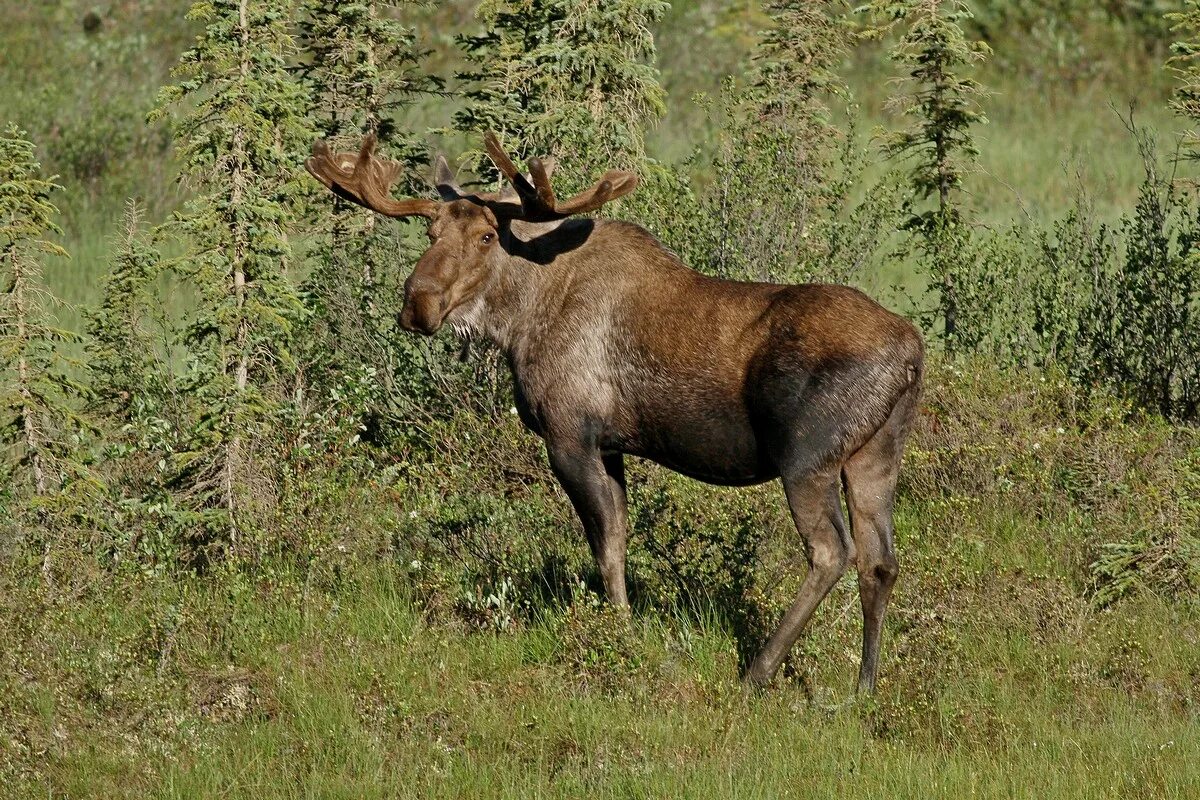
{"points": [[466, 230]]}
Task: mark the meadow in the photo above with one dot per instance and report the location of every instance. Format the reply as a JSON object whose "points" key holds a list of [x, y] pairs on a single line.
{"points": [[415, 613]]}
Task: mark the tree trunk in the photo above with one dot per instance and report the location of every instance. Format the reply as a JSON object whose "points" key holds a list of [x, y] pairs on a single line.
{"points": [[29, 429], [241, 369]]}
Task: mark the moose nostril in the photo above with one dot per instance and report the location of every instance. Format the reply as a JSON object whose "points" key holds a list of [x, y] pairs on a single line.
{"points": [[422, 312]]}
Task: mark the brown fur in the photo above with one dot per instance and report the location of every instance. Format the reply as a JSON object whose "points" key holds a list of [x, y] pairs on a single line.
{"points": [[617, 348]]}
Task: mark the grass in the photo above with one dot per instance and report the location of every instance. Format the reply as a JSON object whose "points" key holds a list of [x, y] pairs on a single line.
{"points": [[350, 672], [256, 692]]}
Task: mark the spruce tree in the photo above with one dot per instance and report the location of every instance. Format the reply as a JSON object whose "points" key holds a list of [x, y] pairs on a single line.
{"points": [[796, 64], [125, 330], [776, 192], [1185, 64], [944, 106], [363, 69], [135, 399], [40, 423], [561, 78], [240, 139]]}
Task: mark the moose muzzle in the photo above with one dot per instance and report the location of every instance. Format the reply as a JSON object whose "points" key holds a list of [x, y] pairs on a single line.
{"points": [[423, 310]]}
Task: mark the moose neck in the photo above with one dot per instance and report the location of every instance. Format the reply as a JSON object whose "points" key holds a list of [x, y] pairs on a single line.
{"points": [[530, 281]]}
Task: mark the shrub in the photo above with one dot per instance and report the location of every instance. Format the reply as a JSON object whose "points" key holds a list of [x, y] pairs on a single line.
{"points": [[1035, 443]]}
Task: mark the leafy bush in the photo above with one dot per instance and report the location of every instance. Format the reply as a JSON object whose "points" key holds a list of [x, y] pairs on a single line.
{"points": [[1115, 307], [599, 645], [1036, 443]]}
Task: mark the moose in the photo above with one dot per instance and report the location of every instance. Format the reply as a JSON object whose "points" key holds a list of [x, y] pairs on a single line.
{"points": [[617, 348]]}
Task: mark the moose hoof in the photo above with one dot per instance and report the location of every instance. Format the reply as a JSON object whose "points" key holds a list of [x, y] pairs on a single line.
{"points": [[759, 676]]}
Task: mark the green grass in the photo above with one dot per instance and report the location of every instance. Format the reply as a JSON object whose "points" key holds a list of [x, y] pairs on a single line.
{"points": [[331, 666], [256, 692]]}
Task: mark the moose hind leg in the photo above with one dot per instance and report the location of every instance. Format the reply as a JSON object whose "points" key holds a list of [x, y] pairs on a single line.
{"points": [[870, 476], [817, 512]]}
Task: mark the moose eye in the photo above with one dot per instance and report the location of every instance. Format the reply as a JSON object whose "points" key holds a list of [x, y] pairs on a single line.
{"points": [[487, 237]]}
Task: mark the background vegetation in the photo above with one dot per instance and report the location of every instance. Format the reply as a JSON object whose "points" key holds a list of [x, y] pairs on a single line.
{"points": [[254, 542]]}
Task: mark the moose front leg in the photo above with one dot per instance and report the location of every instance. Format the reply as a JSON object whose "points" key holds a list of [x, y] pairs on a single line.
{"points": [[596, 486]]}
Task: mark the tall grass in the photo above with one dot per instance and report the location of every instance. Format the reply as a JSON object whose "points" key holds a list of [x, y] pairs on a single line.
{"points": [[357, 673]]}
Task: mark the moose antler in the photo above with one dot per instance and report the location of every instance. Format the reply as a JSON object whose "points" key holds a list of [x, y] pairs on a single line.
{"points": [[365, 179], [537, 200]]}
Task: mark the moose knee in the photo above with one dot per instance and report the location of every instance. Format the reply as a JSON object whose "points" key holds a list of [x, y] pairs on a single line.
{"points": [[882, 571], [830, 558], [887, 570]]}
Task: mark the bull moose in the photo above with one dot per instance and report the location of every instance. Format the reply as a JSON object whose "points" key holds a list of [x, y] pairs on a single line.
{"points": [[617, 348]]}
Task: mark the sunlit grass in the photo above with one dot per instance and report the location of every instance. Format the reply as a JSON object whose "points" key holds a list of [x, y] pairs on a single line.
{"points": [[360, 696]]}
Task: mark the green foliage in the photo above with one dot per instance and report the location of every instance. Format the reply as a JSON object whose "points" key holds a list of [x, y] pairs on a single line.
{"points": [[481, 555], [1185, 64], [1145, 326], [572, 80], [598, 644], [1070, 42], [796, 64], [1036, 442], [721, 558], [239, 144], [135, 398], [942, 243], [421, 588], [944, 105], [781, 205], [1113, 306], [786, 203], [40, 422], [363, 68], [997, 638], [1077, 248], [126, 333]]}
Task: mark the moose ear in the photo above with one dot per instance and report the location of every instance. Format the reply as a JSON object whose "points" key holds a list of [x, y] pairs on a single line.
{"points": [[443, 181]]}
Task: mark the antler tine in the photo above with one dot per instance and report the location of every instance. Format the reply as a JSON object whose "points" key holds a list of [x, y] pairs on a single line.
{"points": [[365, 179], [541, 182], [590, 200], [614, 184], [538, 202], [507, 167], [322, 166], [366, 152]]}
